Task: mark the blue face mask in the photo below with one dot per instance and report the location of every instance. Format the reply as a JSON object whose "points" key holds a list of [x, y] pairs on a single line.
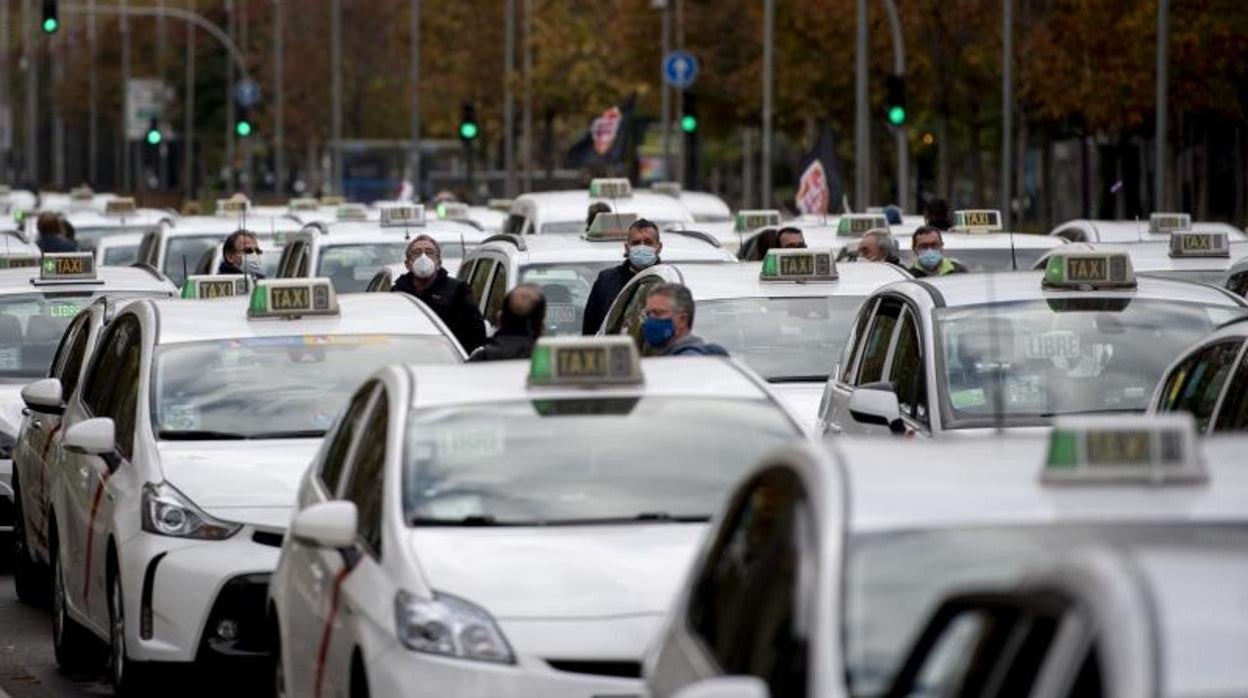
{"points": [[642, 256], [930, 259], [657, 331]]}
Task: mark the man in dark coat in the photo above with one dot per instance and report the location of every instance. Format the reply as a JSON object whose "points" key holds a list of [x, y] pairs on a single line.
{"points": [[448, 297], [641, 251], [520, 323]]}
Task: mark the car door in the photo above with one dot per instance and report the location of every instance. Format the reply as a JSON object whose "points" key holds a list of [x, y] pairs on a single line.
{"points": [[492, 303], [908, 375], [480, 279], [1198, 383], [867, 365], [1233, 412], [752, 596], [311, 570]]}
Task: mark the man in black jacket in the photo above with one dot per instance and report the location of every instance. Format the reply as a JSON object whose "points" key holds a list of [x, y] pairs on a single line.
{"points": [[240, 254], [52, 236], [641, 251], [448, 297], [520, 323]]}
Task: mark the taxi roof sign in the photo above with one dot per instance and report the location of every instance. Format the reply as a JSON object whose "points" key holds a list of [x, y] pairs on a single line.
{"points": [[668, 188], [81, 194], [855, 224], [205, 287], [503, 205], [304, 204], [1088, 271], [1186, 243], [610, 226], [403, 215], [292, 298], [1163, 223], [980, 220], [610, 188], [120, 206], [352, 212], [19, 261], [453, 211], [754, 219], [67, 266], [585, 361], [333, 200], [798, 265], [1146, 449], [233, 207]]}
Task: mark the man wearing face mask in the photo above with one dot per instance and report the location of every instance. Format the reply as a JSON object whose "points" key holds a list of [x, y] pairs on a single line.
{"points": [[668, 327], [520, 323], [641, 251], [448, 297], [240, 254], [929, 254]]}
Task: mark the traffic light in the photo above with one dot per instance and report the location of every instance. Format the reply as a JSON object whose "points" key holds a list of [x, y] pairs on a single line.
{"points": [[895, 105], [689, 127], [242, 122], [154, 136], [51, 17], [468, 128]]}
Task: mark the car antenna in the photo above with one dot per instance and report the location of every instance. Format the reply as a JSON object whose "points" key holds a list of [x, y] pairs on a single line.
{"points": [[1013, 254], [185, 274], [1139, 231]]}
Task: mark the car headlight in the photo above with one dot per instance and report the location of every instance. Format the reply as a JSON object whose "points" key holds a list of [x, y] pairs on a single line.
{"points": [[7, 442], [449, 626], [168, 512]]}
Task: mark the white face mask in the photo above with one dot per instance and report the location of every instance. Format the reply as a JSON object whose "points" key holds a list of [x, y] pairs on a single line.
{"points": [[424, 266], [251, 264]]}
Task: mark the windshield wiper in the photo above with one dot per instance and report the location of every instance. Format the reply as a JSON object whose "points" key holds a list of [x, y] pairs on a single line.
{"points": [[643, 517], [798, 379], [199, 435], [474, 520], [1105, 410], [292, 434]]}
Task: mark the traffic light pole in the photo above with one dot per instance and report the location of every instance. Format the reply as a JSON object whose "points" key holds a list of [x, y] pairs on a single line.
{"points": [[899, 133]]}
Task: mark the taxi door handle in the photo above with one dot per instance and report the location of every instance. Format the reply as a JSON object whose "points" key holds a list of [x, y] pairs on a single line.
{"points": [[36, 423], [834, 427]]}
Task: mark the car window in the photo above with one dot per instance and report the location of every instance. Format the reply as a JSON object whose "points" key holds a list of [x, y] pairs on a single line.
{"points": [[749, 605], [1233, 416], [498, 289], [124, 402], [351, 267], [481, 276], [69, 356], [104, 367], [182, 253], [147, 249], [1196, 384], [514, 224], [854, 343], [342, 437], [878, 339], [364, 484], [304, 261], [1238, 283], [465, 269], [285, 267], [907, 373]]}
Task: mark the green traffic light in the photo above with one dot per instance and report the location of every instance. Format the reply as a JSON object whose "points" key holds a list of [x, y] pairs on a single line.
{"points": [[468, 130], [896, 115], [688, 123], [154, 137], [243, 128], [50, 25]]}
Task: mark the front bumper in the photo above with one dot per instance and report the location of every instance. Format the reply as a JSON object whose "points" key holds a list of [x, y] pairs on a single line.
{"points": [[178, 593], [6, 496], [400, 672]]}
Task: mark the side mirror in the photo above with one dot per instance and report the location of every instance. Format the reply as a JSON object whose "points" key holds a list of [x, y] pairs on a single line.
{"points": [[92, 437], [333, 524], [725, 687], [44, 396], [876, 403]]}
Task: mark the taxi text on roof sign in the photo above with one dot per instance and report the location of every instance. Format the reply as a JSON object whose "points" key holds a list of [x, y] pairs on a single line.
{"points": [[405, 215], [1185, 243], [67, 266], [977, 221], [611, 226], [19, 261], [232, 207], [1162, 223], [668, 188], [503, 205], [81, 194], [204, 287], [1087, 271], [798, 265], [610, 188], [292, 298], [855, 224], [332, 200], [453, 211], [120, 206], [585, 361], [1154, 449], [304, 204], [752, 220], [352, 212]]}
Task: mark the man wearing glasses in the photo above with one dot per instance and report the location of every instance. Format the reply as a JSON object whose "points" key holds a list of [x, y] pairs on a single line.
{"points": [[241, 255]]}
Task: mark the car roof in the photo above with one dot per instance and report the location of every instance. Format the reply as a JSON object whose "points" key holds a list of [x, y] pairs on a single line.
{"points": [[141, 218], [1137, 231], [23, 280], [999, 241], [704, 203], [1154, 255], [572, 205], [506, 381], [436, 228], [901, 484], [1004, 287], [566, 247], [223, 226], [120, 240], [359, 313], [741, 280]]}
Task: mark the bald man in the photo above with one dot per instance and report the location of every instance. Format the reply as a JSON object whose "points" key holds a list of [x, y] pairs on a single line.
{"points": [[520, 322]]}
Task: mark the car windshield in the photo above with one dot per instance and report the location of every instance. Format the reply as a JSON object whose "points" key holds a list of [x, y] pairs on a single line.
{"points": [[352, 266], [576, 459], [183, 252], [259, 387], [31, 326], [121, 255], [1026, 362], [996, 259], [783, 339], [895, 580], [87, 237], [566, 287]]}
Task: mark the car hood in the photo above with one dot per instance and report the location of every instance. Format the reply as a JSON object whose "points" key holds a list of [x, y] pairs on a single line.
{"points": [[560, 572], [802, 399], [238, 480]]}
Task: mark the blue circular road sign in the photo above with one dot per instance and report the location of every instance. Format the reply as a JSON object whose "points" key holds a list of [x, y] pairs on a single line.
{"points": [[680, 69]]}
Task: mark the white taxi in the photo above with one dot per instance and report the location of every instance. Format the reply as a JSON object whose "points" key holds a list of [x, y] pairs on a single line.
{"points": [[972, 352], [172, 477], [1202, 256], [39, 297], [566, 266], [827, 562], [1236, 278], [1157, 227], [118, 250], [119, 216], [786, 317], [978, 241], [351, 252], [709, 212], [1210, 381], [492, 530], [184, 246], [566, 211]]}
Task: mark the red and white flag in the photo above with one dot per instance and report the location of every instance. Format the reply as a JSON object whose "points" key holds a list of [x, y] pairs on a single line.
{"points": [[604, 130], [812, 190]]}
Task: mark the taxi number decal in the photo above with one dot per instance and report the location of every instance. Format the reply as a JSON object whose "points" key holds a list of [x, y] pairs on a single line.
{"points": [[589, 362], [1119, 447], [977, 218], [797, 265], [1089, 269], [561, 313], [216, 289]]}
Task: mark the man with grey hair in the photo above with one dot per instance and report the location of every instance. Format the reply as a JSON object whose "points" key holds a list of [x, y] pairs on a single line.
{"points": [[668, 326], [448, 297], [877, 245]]}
